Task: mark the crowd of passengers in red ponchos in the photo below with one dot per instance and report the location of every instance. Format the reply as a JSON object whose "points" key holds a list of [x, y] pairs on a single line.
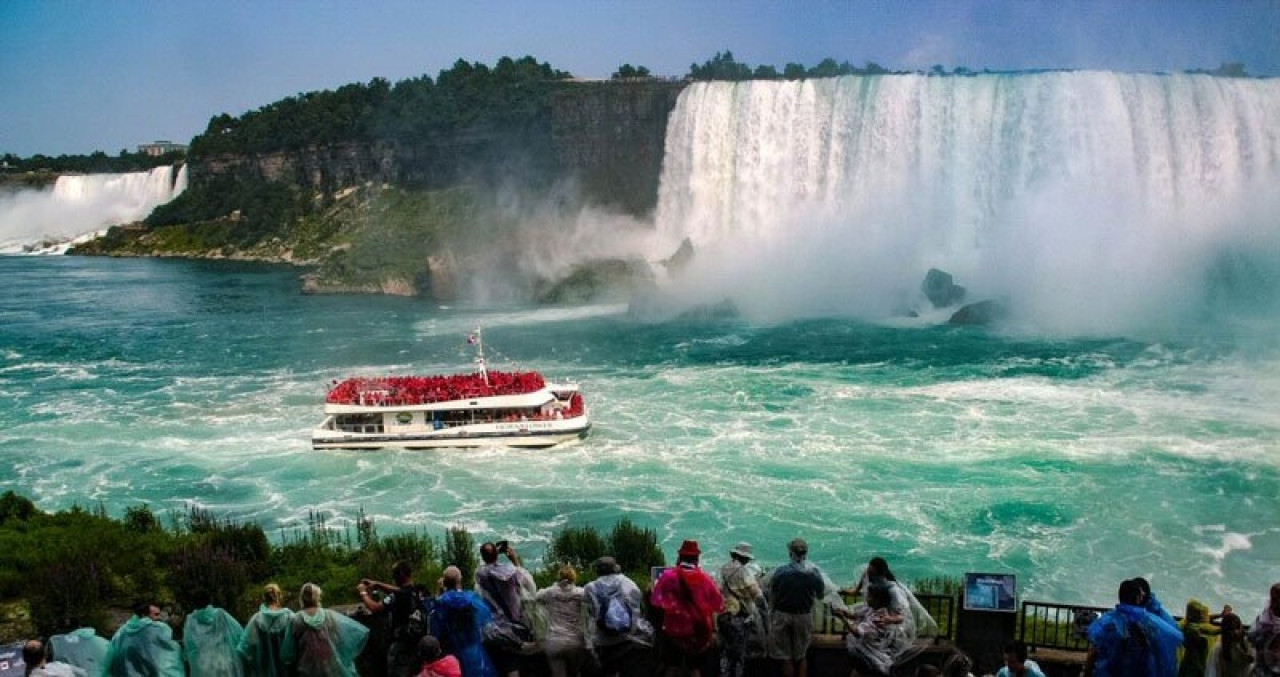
{"points": [[428, 389]]}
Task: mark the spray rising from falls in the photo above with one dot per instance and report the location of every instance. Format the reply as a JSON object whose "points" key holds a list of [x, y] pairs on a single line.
{"points": [[1086, 201], [79, 206]]}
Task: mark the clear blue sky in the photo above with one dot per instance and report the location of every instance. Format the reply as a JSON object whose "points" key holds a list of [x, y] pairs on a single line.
{"points": [[80, 75]]}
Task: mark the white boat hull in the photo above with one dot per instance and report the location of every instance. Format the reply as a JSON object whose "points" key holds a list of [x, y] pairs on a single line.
{"points": [[529, 435]]}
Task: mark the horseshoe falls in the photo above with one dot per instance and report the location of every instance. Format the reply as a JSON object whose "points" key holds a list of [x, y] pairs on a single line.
{"points": [[1122, 422], [1086, 202], [80, 205]]}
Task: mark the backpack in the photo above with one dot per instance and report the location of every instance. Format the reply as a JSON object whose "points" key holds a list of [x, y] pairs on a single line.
{"points": [[613, 616], [419, 623]]}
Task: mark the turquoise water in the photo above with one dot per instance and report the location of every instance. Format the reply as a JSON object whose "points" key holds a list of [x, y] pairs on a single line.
{"points": [[1072, 462]]}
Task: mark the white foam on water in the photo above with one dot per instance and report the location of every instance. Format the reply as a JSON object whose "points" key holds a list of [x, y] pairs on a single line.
{"points": [[464, 323]]}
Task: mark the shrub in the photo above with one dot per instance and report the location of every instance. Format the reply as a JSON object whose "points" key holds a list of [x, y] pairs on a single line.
{"points": [[579, 546], [460, 551], [636, 549]]}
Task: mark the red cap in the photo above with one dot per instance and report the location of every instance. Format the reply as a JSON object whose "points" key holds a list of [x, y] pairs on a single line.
{"points": [[689, 549]]}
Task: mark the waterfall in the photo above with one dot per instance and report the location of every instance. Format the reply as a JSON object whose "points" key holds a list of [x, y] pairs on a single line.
{"points": [[1087, 201], [79, 206]]}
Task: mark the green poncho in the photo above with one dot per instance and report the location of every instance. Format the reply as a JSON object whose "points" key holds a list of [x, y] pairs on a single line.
{"points": [[144, 648], [82, 648], [209, 641], [323, 644], [263, 638]]}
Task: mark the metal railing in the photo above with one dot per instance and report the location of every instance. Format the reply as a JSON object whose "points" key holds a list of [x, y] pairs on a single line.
{"points": [[941, 607], [1049, 625]]}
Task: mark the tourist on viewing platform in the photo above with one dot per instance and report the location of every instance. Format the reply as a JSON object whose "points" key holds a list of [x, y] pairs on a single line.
{"points": [[1016, 663], [1129, 641], [1233, 657], [886, 628], [458, 621], [742, 625], [39, 665], [434, 661], [144, 647], [259, 648], [1167, 657], [792, 590], [1199, 637], [565, 640], [506, 587], [209, 640], [1266, 636], [616, 628], [400, 601], [321, 643], [689, 600], [81, 648], [877, 568]]}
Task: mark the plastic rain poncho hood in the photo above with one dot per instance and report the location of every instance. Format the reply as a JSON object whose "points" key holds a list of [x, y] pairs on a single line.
{"points": [[1116, 656], [144, 648], [600, 590], [323, 644], [457, 621], [563, 606], [263, 638], [82, 648], [209, 641]]}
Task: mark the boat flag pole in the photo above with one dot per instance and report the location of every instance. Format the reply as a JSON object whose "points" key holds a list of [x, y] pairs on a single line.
{"points": [[478, 339]]}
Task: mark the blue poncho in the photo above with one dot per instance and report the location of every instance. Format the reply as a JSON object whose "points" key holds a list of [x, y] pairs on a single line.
{"points": [[458, 620], [1132, 642]]}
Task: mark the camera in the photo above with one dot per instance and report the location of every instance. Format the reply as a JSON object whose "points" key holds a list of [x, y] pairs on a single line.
{"points": [[501, 546]]}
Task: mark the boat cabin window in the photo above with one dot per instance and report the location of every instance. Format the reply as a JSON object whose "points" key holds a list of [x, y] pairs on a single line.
{"points": [[359, 423]]}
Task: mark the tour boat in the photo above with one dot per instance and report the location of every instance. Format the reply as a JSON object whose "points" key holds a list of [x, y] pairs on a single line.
{"points": [[483, 408]]}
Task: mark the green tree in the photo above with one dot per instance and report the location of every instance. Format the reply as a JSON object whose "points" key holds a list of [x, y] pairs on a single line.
{"points": [[793, 71], [626, 72], [765, 72], [460, 551], [720, 67]]}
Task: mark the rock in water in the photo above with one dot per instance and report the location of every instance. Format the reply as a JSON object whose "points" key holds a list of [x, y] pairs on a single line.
{"points": [[940, 288], [982, 312]]}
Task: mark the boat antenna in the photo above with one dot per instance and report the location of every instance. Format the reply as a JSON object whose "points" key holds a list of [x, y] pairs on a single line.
{"points": [[477, 338]]}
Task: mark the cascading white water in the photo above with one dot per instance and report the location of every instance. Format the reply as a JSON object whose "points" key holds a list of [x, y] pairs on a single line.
{"points": [[46, 221], [1089, 201]]}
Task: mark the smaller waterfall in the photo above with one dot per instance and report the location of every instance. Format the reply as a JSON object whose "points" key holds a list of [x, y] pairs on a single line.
{"points": [[79, 207]]}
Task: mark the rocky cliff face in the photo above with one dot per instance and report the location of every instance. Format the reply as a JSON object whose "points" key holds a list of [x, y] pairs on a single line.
{"points": [[611, 137], [607, 136]]}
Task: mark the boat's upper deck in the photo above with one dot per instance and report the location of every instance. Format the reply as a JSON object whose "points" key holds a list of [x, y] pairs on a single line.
{"points": [[419, 390]]}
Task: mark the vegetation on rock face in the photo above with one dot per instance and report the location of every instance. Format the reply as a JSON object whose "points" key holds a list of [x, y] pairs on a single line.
{"points": [[461, 96]]}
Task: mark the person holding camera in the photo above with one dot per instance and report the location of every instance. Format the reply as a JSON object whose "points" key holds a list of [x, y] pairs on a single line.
{"points": [[506, 587], [400, 601]]}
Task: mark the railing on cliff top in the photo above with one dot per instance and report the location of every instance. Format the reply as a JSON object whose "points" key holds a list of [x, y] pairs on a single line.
{"points": [[1047, 625], [941, 607]]}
